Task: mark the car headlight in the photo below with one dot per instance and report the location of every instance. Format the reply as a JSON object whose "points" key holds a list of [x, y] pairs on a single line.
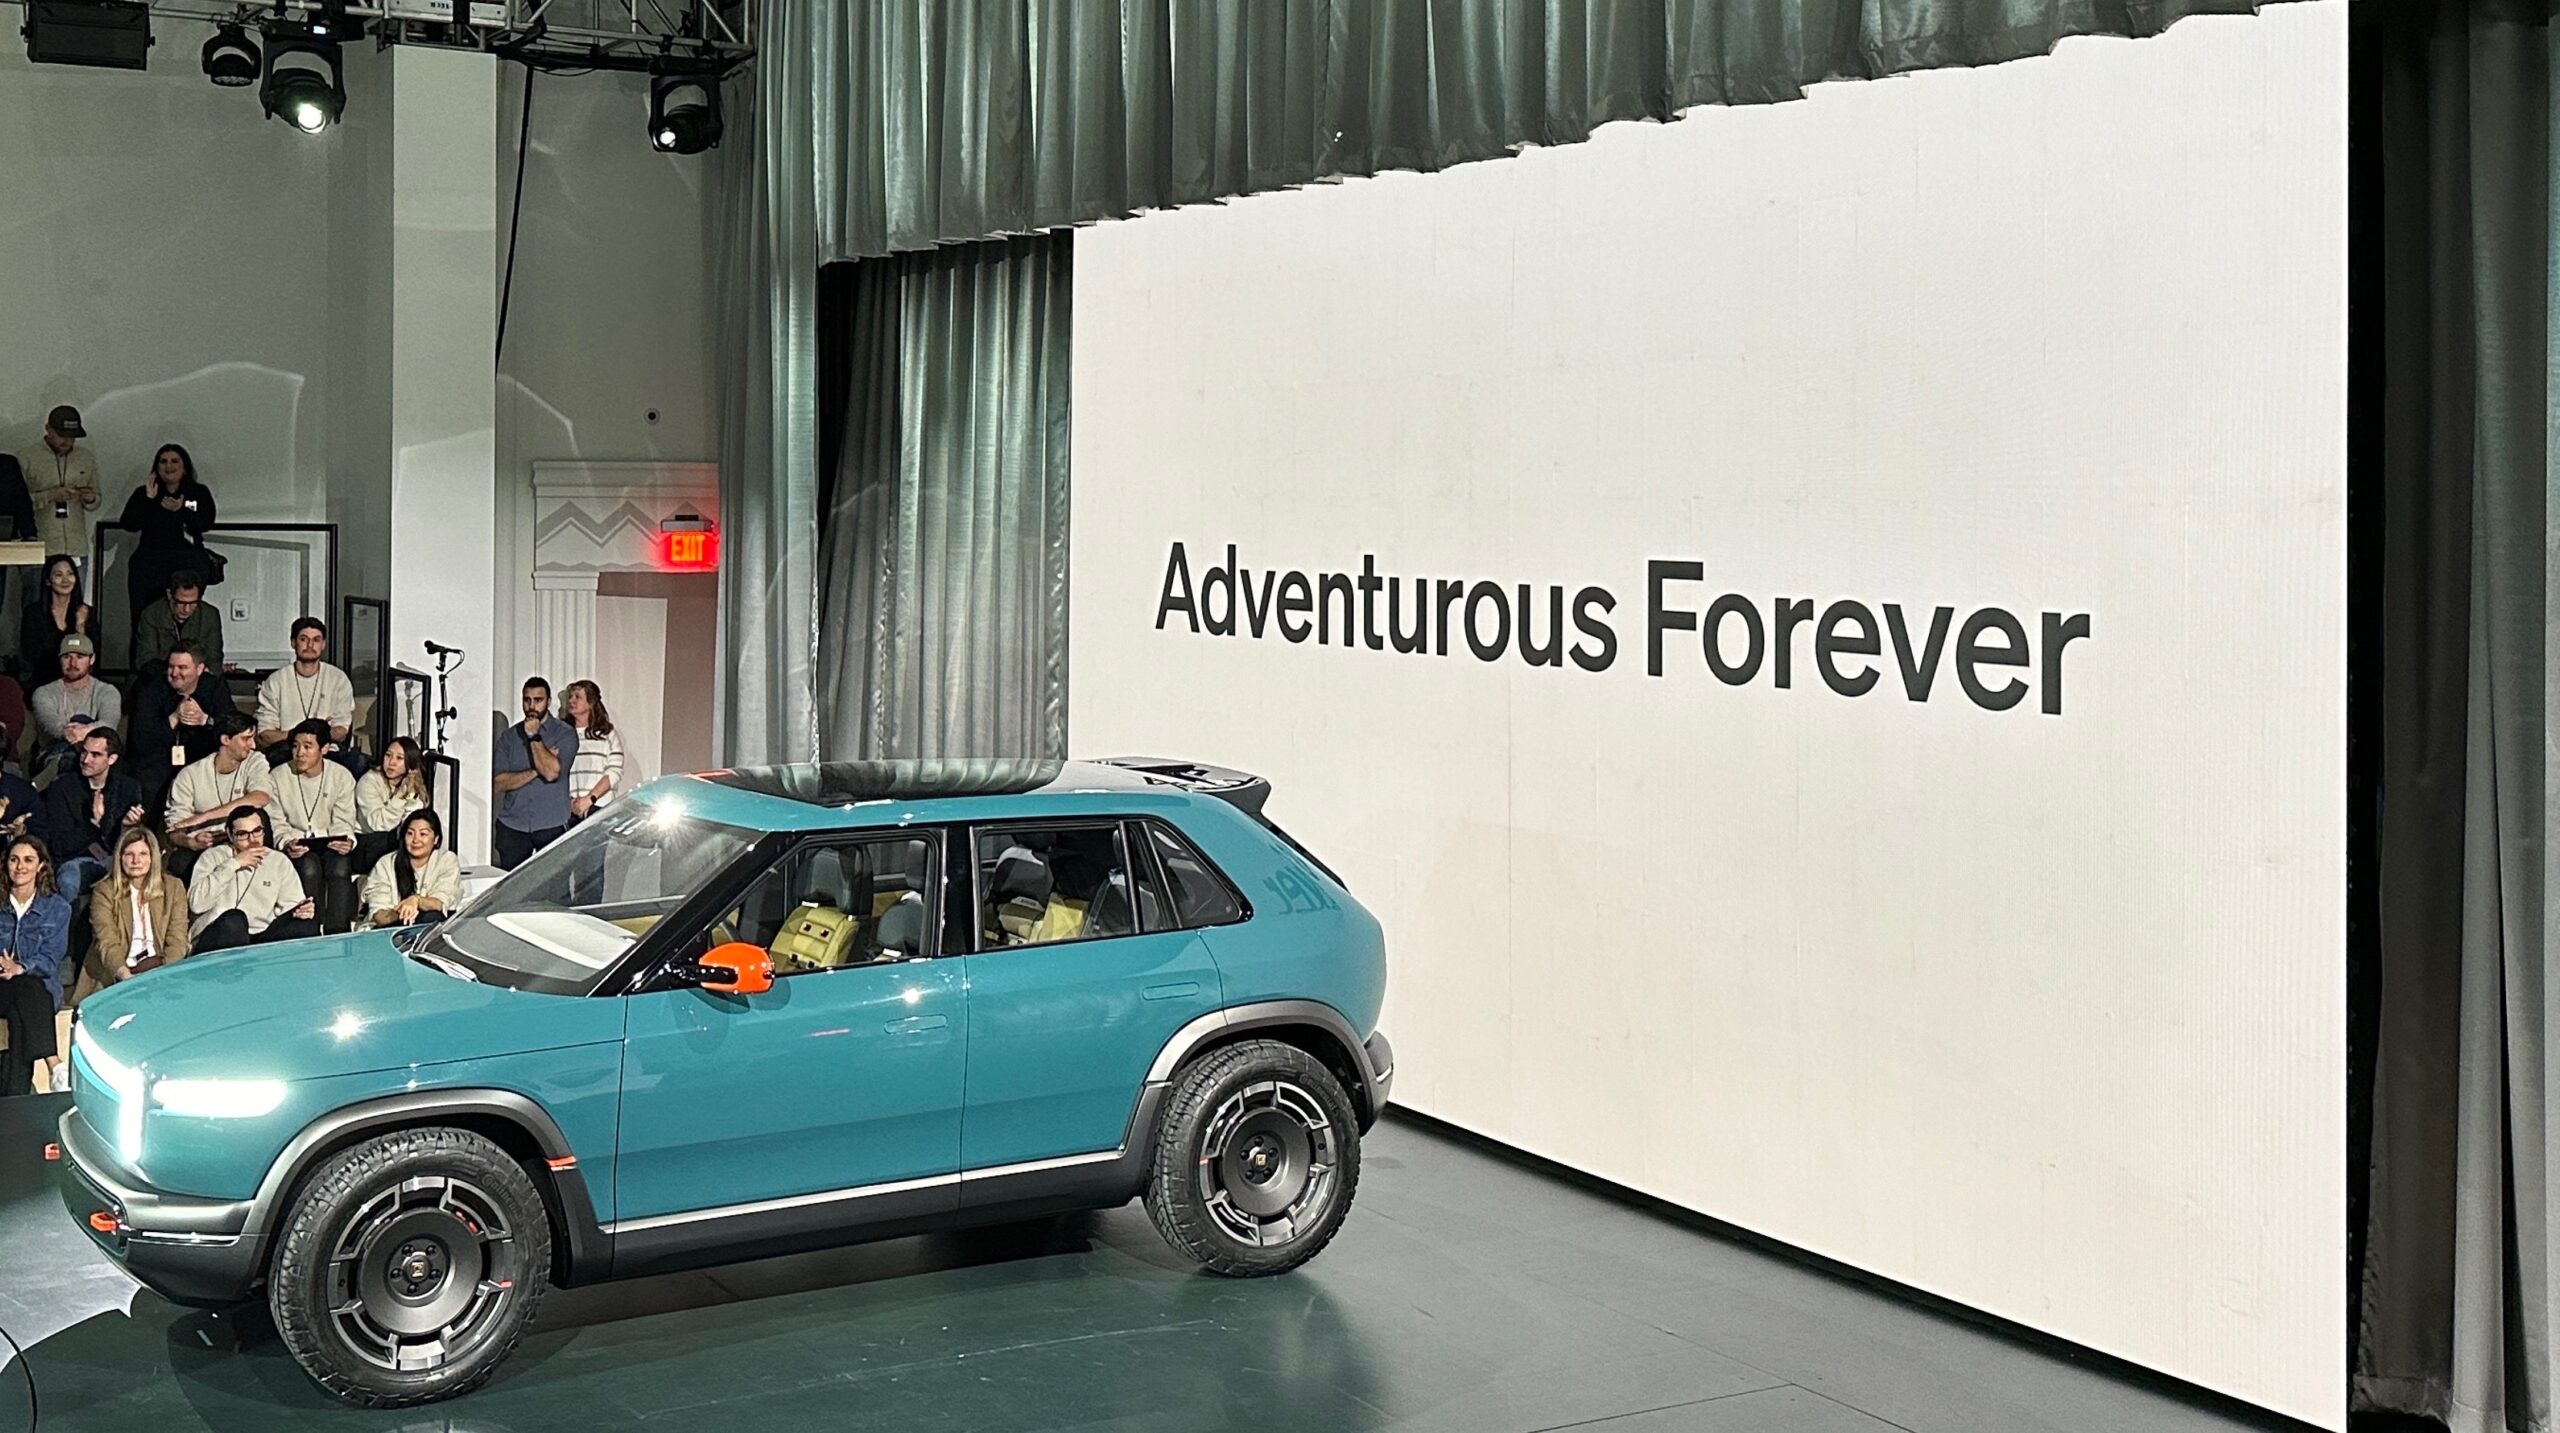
{"points": [[218, 1099], [125, 1083]]}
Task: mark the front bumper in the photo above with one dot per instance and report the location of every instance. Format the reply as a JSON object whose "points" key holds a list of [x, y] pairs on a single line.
{"points": [[187, 1250]]}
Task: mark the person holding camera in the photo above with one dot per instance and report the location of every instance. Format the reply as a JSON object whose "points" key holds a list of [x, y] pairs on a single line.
{"points": [[171, 511]]}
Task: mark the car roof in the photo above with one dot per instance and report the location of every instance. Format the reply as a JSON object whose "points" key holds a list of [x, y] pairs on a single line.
{"points": [[835, 795]]}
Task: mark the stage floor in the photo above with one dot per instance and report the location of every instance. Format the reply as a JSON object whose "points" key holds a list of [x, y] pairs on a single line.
{"points": [[1466, 1294]]}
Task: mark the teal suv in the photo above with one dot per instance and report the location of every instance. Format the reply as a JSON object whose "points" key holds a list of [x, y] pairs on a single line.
{"points": [[744, 1014]]}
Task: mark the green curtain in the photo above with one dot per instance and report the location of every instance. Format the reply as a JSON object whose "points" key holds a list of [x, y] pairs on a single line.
{"points": [[944, 577], [2460, 1289], [966, 119], [764, 290]]}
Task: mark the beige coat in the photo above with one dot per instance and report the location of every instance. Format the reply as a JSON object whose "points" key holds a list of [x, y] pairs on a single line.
{"points": [[111, 928]]}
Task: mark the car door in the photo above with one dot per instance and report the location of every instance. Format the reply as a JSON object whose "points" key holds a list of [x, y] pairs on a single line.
{"points": [[846, 1074], [1070, 998]]}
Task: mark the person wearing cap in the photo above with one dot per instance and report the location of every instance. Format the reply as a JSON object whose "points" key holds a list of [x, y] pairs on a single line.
{"points": [[62, 478], [66, 710]]}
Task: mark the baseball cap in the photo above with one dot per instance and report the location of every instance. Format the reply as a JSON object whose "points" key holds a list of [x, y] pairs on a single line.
{"points": [[77, 643], [66, 421]]}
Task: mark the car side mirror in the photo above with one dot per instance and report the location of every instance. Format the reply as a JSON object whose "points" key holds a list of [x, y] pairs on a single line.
{"points": [[735, 969]]}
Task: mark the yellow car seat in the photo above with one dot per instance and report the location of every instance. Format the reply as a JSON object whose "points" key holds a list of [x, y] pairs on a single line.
{"points": [[815, 937]]}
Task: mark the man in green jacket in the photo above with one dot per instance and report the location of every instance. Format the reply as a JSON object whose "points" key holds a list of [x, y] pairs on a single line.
{"points": [[182, 616]]}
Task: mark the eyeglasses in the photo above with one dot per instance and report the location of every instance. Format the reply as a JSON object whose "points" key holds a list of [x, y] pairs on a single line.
{"points": [[251, 834]]}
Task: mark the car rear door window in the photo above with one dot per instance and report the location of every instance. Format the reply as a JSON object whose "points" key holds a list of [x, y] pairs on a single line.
{"points": [[1042, 885]]}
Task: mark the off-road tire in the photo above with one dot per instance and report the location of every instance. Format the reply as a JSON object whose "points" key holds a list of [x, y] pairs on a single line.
{"points": [[387, 1206], [1225, 1107]]}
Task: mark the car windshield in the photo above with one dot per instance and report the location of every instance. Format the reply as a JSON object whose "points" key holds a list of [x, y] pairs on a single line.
{"points": [[558, 921]]}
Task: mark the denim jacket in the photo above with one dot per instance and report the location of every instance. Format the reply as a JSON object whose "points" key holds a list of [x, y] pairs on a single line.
{"points": [[40, 939]]}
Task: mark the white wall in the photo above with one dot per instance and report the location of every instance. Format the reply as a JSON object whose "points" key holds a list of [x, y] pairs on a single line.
{"points": [[611, 312], [163, 247], [2040, 1012]]}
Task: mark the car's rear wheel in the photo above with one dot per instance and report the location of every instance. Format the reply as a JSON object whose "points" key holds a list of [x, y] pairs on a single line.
{"points": [[409, 1265], [1257, 1157]]}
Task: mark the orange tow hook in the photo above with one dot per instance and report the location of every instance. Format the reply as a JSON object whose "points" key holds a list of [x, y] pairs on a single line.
{"points": [[105, 1222], [53, 1154]]}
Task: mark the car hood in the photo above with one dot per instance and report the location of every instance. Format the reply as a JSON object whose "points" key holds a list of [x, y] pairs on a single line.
{"points": [[338, 1005]]}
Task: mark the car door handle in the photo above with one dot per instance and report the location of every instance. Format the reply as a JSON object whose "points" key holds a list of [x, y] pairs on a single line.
{"points": [[1174, 991], [916, 1024]]}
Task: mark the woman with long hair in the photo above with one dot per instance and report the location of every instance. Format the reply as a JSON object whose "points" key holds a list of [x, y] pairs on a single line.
{"points": [[171, 510], [137, 916], [595, 772], [56, 611], [419, 882], [35, 932], [385, 796]]}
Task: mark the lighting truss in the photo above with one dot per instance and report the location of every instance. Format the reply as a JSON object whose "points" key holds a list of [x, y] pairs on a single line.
{"points": [[694, 36]]}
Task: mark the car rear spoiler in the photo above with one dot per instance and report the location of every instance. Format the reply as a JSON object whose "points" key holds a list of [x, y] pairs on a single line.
{"points": [[1241, 789]]}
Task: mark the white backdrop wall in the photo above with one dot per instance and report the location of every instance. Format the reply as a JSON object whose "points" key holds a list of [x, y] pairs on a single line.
{"points": [[609, 321], [2035, 1006], [163, 266]]}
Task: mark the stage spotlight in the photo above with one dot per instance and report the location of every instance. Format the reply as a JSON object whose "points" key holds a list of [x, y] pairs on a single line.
{"points": [[303, 86], [684, 113], [232, 59]]}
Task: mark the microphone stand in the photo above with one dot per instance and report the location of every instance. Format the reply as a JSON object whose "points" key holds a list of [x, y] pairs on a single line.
{"points": [[448, 660]]}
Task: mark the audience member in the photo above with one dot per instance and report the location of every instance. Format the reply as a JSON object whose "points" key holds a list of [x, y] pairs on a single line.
{"points": [[419, 882], [595, 776], [531, 767], [35, 935], [307, 690], [385, 795], [171, 510], [64, 711], [83, 813], [182, 616], [205, 794], [15, 506], [249, 894], [56, 611], [137, 917], [62, 478], [315, 812], [173, 714], [21, 807]]}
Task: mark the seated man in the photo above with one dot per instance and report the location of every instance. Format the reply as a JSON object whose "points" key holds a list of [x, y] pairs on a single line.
{"points": [[173, 712], [65, 710], [207, 791], [315, 806], [84, 813], [248, 894], [182, 616], [308, 690]]}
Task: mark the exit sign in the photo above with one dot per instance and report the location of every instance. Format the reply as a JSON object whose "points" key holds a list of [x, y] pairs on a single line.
{"points": [[689, 550]]}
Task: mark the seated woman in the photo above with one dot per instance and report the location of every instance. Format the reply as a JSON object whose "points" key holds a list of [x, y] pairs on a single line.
{"points": [[385, 796], [35, 934], [419, 882], [137, 916]]}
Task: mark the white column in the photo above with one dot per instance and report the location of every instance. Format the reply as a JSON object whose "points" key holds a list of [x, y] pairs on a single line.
{"points": [[560, 643], [443, 279]]}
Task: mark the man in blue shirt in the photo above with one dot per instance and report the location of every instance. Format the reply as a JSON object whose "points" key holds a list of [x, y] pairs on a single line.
{"points": [[532, 767]]}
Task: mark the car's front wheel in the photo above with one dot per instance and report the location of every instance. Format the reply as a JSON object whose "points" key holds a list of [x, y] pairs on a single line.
{"points": [[409, 1265], [1257, 1157]]}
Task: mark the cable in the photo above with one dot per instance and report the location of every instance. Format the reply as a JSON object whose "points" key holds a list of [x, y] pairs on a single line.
{"points": [[515, 219]]}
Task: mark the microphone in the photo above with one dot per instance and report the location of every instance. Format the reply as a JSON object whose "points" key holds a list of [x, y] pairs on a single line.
{"points": [[439, 649]]}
